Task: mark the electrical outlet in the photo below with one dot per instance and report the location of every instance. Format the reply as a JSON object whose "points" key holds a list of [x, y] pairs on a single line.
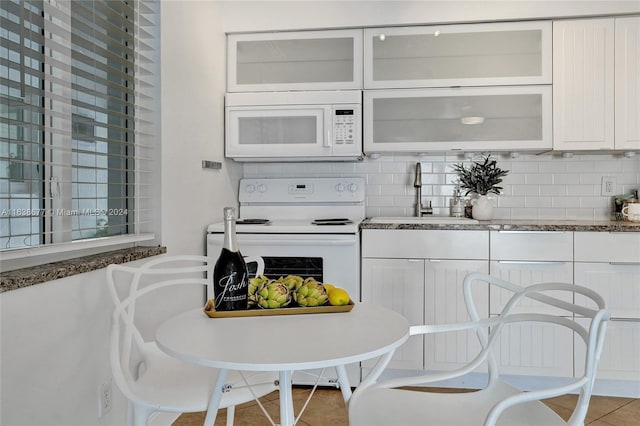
{"points": [[105, 398], [608, 185]]}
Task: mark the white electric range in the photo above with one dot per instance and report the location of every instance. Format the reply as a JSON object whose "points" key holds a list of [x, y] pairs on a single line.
{"points": [[307, 227]]}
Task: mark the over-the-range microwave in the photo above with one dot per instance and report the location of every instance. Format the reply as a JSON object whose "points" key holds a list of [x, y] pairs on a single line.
{"points": [[294, 126]]}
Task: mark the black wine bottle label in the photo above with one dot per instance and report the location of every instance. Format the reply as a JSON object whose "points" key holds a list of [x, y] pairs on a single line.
{"points": [[230, 283]]}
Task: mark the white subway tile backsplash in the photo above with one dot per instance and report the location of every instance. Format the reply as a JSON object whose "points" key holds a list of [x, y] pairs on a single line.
{"points": [[379, 178], [553, 190], [537, 186], [393, 189], [379, 201], [539, 202], [566, 178], [538, 178]]}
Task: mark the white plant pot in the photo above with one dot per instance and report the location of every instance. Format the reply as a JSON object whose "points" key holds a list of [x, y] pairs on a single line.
{"points": [[482, 207]]}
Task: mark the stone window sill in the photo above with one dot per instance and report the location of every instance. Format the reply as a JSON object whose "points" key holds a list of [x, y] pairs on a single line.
{"points": [[19, 278]]}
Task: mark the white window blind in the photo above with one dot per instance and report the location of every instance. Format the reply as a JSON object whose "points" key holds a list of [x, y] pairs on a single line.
{"points": [[78, 120]]}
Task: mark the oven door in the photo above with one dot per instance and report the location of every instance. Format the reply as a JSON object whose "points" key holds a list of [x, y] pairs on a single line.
{"points": [[331, 259]]}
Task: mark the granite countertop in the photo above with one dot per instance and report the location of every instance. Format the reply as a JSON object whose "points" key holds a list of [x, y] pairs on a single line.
{"points": [[26, 277], [513, 225]]}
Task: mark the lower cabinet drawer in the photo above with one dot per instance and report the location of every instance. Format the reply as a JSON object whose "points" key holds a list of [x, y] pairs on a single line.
{"points": [[620, 358], [531, 245]]}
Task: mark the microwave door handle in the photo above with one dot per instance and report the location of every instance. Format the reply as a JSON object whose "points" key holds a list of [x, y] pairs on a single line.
{"points": [[328, 124]]}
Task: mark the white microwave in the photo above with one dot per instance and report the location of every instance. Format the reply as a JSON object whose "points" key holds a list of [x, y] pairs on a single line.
{"points": [[294, 126]]}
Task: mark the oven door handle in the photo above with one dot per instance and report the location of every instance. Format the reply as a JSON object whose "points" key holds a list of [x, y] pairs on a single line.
{"points": [[295, 242]]}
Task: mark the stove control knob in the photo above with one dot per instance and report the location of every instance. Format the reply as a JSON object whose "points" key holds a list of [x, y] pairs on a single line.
{"points": [[340, 187], [262, 188], [250, 188], [353, 187]]}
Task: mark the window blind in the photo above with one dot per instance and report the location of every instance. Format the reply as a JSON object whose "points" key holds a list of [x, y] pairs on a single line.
{"points": [[78, 120]]}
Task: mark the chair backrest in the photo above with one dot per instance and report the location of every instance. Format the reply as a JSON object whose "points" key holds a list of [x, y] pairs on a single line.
{"points": [[587, 319], [127, 285], [549, 303]]}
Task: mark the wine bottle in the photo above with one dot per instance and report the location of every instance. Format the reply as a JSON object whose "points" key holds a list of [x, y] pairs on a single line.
{"points": [[230, 282]]}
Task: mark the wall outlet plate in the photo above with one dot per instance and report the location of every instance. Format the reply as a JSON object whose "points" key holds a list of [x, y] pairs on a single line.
{"points": [[105, 397], [608, 185]]}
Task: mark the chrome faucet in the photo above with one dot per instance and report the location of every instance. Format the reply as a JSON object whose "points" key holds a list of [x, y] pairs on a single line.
{"points": [[417, 183]]}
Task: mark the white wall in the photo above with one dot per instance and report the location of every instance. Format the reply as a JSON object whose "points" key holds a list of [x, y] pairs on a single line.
{"points": [[55, 353], [302, 14], [193, 83]]}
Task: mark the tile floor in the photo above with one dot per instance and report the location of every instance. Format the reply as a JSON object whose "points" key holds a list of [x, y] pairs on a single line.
{"points": [[327, 408]]}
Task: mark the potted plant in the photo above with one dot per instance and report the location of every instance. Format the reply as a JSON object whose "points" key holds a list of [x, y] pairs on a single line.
{"points": [[481, 178]]}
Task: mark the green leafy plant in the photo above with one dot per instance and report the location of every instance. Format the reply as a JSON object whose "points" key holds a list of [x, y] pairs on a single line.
{"points": [[482, 176]]}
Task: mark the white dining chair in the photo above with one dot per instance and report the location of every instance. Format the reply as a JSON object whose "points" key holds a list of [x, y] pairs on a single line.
{"points": [[150, 379], [391, 402]]}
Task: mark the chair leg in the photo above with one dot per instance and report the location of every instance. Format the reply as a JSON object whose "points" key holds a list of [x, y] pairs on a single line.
{"points": [[231, 412], [141, 415]]}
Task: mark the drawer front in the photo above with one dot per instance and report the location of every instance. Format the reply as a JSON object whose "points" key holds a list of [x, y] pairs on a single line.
{"points": [[623, 247], [425, 244], [531, 246], [619, 285], [619, 359]]}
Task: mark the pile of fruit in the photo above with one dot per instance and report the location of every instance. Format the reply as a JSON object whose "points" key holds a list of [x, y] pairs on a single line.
{"points": [[293, 290]]}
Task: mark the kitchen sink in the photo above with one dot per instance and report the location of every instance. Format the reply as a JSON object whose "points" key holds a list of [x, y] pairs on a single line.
{"points": [[436, 220]]}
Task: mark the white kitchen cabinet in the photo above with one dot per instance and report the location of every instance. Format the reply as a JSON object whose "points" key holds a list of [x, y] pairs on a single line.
{"points": [[583, 84], [419, 274], [458, 55], [596, 84], [526, 258], [300, 60], [472, 118], [609, 263], [444, 304], [397, 284], [627, 83]]}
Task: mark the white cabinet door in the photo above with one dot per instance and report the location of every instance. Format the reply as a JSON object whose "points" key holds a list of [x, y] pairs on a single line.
{"points": [[620, 359], [583, 84], [444, 304], [458, 55], [472, 118], [303, 60], [619, 285], [526, 273], [398, 284], [533, 348], [627, 83], [526, 258]]}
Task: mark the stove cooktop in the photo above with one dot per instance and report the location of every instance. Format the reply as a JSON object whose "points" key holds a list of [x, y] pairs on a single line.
{"points": [[292, 226]]}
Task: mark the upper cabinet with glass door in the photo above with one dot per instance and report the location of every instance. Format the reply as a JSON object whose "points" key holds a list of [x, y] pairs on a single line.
{"points": [[458, 55], [301, 60], [509, 118]]}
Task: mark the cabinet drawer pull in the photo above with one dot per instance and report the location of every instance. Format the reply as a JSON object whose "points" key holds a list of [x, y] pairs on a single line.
{"points": [[531, 232], [624, 263], [622, 319], [532, 262]]}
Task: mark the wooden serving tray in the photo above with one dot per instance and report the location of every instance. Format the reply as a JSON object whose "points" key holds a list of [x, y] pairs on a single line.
{"points": [[297, 310]]}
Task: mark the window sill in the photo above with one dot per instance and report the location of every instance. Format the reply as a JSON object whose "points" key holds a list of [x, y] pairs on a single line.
{"points": [[26, 277]]}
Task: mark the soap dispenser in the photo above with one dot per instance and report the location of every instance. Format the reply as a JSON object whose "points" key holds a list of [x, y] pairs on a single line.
{"points": [[456, 204]]}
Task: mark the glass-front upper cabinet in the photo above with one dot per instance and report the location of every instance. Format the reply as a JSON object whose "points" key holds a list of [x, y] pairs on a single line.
{"points": [[458, 55], [300, 60], [471, 119]]}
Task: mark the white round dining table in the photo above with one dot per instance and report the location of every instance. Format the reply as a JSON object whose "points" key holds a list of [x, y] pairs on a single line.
{"points": [[282, 343]]}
